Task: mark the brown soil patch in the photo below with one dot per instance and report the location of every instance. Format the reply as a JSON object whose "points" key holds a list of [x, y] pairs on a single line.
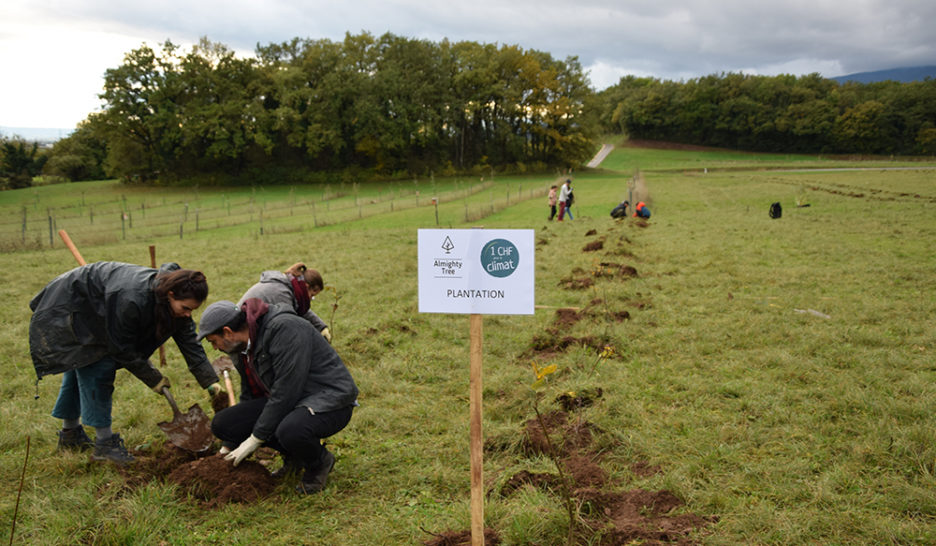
{"points": [[611, 269], [545, 346], [576, 283], [610, 517], [591, 232], [540, 480], [593, 246], [216, 482], [644, 469], [573, 401], [460, 538], [210, 480], [640, 223], [565, 318], [566, 437], [640, 304]]}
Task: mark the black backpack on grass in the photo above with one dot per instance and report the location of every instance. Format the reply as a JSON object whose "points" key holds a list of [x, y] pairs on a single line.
{"points": [[776, 211]]}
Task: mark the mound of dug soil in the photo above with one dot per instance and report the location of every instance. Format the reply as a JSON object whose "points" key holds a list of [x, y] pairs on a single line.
{"points": [[609, 517], [216, 482], [210, 480]]}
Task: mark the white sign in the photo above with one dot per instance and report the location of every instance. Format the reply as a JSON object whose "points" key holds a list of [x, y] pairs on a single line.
{"points": [[483, 271]]}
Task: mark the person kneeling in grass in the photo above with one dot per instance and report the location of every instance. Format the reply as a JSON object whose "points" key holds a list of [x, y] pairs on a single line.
{"points": [[295, 389]]}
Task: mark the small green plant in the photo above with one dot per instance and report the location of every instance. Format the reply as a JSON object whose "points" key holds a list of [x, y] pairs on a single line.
{"points": [[606, 353], [541, 375], [334, 308]]}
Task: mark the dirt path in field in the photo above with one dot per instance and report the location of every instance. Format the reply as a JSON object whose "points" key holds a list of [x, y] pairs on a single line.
{"points": [[600, 156]]}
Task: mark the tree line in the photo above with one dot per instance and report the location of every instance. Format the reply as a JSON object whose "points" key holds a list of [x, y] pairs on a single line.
{"points": [[384, 105], [367, 107], [783, 113]]}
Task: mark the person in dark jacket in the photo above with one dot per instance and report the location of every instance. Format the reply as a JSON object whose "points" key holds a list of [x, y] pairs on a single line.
{"points": [[297, 286], [295, 389], [91, 321]]}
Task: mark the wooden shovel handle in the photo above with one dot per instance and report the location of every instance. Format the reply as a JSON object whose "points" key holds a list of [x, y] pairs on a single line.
{"points": [[230, 388], [71, 246], [175, 408]]}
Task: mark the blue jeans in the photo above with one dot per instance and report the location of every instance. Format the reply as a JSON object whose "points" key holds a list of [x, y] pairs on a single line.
{"points": [[88, 393]]}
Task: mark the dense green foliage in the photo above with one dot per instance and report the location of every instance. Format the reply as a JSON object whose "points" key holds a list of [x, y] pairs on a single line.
{"points": [[20, 161], [78, 157], [389, 107], [382, 105], [776, 113]]}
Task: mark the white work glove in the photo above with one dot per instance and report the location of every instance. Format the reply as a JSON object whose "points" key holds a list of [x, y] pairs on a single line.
{"points": [[214, 389], [326, 334], [247, 447], [158, 387], [224, 450]]}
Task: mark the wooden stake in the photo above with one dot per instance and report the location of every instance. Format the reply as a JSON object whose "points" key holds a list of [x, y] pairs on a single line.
{"points": [[162, 348], [476, 442]]}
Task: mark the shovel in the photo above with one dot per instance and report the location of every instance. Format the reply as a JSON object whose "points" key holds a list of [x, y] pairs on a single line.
{"points": [[221, 366], [190, 431]]}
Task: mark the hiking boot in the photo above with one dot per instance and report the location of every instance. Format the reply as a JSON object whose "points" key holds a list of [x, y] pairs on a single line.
{"points": [[314, 479], [290, 467], [74, 439], [111, 449]]}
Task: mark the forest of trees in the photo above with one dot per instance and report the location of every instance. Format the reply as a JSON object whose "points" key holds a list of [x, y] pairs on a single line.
{"points": [[784, 113], [386, 106], [381, 107]]}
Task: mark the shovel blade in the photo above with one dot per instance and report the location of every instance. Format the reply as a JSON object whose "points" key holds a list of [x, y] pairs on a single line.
{"points": [[190, 431]]}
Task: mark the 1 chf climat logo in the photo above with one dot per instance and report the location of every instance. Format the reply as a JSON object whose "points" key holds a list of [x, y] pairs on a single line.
{"points": [[500, 258]]}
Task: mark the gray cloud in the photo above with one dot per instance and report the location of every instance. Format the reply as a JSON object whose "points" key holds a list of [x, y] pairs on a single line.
{"points": [[676, 39]]}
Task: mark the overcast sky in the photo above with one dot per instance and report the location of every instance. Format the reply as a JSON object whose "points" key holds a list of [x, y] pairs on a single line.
{"points": [[53, 53]]}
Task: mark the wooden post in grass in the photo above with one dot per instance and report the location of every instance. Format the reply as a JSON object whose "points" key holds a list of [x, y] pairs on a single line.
{"points": [[475, 272], [162, 348], [476, 437]]}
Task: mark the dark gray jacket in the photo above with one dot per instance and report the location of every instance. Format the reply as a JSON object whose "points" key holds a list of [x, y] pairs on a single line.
{"points": [[298, 367], [275, 288], [107, 309]]}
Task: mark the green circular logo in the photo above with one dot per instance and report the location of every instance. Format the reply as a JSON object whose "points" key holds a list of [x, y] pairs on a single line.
{"points": [[500, 258]]}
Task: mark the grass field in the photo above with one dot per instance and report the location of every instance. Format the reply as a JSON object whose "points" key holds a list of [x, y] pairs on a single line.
{"points": [[778, 377]]}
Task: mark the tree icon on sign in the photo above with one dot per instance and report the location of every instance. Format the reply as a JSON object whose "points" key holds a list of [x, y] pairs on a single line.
{"points": [[447, 245]]}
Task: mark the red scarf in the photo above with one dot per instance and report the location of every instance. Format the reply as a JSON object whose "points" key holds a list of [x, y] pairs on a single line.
{"points": [[255, 308], [301, 293]]}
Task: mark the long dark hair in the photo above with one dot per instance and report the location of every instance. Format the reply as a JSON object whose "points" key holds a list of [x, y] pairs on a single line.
{"points": [[184, 284]]}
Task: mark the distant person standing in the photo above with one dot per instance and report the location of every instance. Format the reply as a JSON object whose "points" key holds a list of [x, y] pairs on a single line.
{"points": [[564, 203], [551, 202], [570, 199]]}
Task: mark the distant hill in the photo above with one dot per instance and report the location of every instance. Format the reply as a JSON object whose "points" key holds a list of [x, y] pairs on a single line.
{"points": [[35, 134], [906, 74]]}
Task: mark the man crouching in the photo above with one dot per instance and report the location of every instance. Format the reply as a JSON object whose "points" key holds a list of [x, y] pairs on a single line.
{"points": [[295, 389]]}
